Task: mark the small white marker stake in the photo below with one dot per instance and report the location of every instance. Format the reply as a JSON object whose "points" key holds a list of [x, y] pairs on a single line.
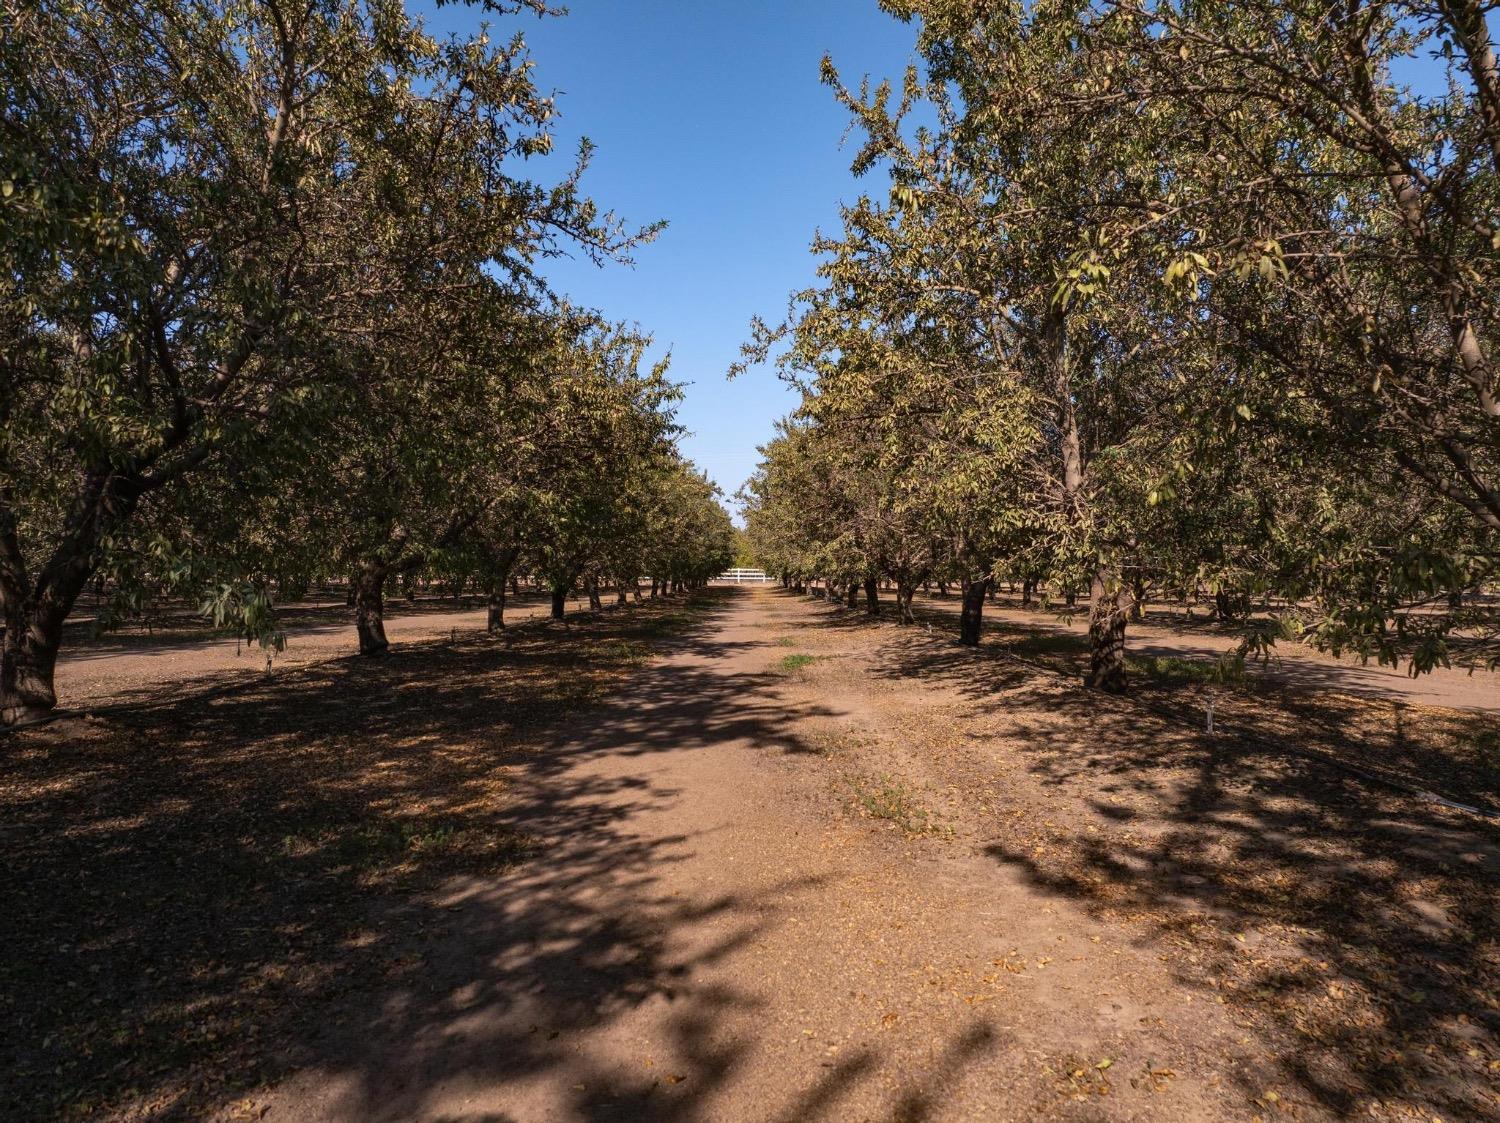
{"points": [[1211, 697]]}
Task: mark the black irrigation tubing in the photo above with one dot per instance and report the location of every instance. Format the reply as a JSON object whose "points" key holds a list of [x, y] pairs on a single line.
{"points": [[1373, 775]]}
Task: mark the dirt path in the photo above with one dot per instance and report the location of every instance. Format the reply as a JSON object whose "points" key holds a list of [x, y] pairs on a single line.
{"points": [[1293, 664], [705, 932]]}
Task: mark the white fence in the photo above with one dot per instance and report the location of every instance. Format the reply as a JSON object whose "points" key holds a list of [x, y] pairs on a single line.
{"points": [[743, 577]]}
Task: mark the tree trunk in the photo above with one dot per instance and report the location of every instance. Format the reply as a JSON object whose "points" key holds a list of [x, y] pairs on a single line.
{"points": [[654, 584], [35, 611], [1070, 598], [852, 598], [595, 604], [904, 593], [29, 659], [622, 596], [495, 619], [1027, 589], [1138, 597], [971, 619], [369, 610], [1107, 613], [559, 601], [872, 596]]}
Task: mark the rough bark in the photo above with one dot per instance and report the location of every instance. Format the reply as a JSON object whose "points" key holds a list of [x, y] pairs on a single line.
{"points": [[559, 601], [872, 596], [904, 593], [971, 618], [495, 618], [32, 638], [34, 610], [1107, 615], [852, 598], [369, 609], [1137, 597]]}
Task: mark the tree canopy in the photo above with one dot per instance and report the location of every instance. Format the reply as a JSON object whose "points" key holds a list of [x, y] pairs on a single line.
{"points": [[274, 310], [1171, 296]]}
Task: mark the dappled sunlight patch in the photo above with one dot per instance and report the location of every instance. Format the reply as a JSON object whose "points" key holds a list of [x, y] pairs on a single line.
{"points": [[196, 879], [1346, 923]]}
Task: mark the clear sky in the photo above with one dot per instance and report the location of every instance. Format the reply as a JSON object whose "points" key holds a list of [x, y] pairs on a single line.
{"points": [[709, 114]]}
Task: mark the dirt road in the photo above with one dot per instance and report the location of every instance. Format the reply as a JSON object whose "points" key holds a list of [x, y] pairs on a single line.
{"points": [[705, 932]]}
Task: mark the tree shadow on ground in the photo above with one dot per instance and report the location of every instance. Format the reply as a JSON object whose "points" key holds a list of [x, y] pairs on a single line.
{"points": [[389, 874], [182, 626], [1168, 635], [1352, 923]]}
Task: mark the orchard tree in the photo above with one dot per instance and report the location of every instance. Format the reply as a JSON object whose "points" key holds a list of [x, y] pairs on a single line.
{"points": [[1007, 213], [1351, 219], [201, 204], [608, 417]]}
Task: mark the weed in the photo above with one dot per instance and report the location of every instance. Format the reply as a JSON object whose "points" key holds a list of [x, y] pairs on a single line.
{"points": [[1175, 670], [791, 664], [885, 798]]}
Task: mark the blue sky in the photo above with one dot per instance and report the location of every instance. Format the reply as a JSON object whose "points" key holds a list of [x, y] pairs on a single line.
{"points": [[709, 114]]}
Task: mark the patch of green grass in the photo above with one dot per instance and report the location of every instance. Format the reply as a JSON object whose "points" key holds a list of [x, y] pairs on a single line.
{"points": [[1173, 670], [786, 641], [381, 846], [791, 664], [1048, 644], [885, 798], [623, 651]]}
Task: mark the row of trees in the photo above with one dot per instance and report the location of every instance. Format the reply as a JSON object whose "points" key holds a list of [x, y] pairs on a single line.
{"points": [[272, 311], [1162, 294]]}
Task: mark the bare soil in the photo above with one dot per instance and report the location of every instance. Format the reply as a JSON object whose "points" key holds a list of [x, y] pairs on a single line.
{"points": [[799, 866], [1167, 631], [177, 649]]}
